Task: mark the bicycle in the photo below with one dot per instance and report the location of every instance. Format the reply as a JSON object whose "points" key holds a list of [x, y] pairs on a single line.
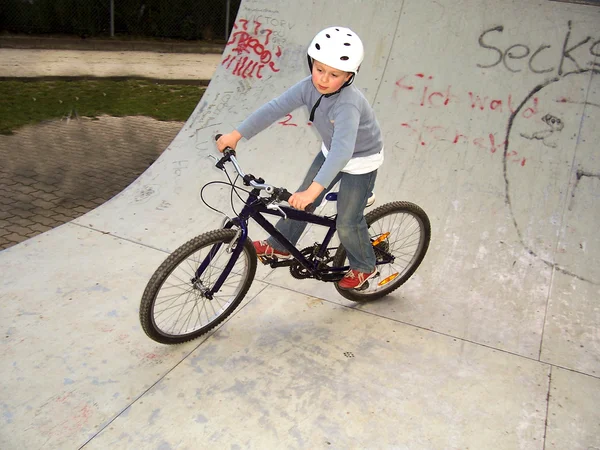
{"points": [[202, 282]]}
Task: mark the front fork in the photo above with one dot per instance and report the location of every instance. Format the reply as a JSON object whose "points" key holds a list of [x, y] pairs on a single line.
{"points": [[235, 248]]}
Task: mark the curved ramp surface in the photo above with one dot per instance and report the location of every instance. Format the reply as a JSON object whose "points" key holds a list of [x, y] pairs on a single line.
{"points": [[490, 112]]}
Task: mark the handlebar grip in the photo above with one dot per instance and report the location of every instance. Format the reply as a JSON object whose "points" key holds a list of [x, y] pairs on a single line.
{"points": [[285, 196], [227, 151]]}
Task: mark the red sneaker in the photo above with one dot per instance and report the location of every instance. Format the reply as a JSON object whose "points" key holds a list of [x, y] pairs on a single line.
{"points": [[355, 279], [264, 249]]}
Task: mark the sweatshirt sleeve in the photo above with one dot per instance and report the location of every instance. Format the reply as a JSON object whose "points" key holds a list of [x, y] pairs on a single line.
{"points": [[270, 112], [343, 141]]}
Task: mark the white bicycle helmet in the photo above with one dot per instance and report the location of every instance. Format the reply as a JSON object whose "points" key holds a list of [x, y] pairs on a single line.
{"points": [[337, 47]]}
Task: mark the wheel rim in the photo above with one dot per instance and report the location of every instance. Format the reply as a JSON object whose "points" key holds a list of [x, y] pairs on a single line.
{"points": [[180, 308]]}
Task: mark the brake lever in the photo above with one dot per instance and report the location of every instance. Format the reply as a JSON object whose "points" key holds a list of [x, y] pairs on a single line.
{"points": [[277, 208], [221, 162]]}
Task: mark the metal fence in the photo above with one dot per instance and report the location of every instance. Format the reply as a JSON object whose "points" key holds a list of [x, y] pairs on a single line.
{"points": [[173, 19]]}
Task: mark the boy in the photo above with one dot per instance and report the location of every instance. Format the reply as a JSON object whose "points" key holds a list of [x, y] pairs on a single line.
{"points": [[351, 152]]}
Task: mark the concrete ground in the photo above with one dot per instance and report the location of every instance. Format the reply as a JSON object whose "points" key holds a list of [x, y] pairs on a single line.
{"points": [[490, 112]]}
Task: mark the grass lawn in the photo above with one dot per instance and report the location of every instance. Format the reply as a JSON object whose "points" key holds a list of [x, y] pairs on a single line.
{"points": [[31, 102]]}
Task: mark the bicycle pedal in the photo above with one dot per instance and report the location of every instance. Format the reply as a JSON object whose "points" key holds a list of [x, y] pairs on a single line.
{"points": [[266, 260], [363, 287], [273, 261]]}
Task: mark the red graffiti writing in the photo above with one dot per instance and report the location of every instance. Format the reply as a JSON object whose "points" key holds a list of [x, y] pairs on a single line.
{"points": [[249, 50], [483, 103], [428, 134], [286, 122], [420, 88]]}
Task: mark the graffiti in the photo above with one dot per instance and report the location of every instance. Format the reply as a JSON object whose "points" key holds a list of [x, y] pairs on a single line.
{"points": [[484, 103], [179, 166], [555, 196], [515, 58], [432, 134], [421, 92], [556, 191], [273, 22], [280, 28], [163, 205], [286, 122], [210, 114], [250, 54], [547, 135], [146, 192], [579, 175], [428, 97]]}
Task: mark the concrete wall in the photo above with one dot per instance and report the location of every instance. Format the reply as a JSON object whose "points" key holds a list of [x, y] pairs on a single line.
{"points": [[489, 111]]}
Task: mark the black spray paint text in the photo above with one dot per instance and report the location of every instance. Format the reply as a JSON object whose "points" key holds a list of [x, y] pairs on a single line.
{"points": [[573, 57]]}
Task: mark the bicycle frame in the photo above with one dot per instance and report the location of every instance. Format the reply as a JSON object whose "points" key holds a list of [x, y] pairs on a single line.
{"points": [[254, 209]]}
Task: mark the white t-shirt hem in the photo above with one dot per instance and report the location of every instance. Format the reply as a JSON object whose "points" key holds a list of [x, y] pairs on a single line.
{"points": [[360, 165]]}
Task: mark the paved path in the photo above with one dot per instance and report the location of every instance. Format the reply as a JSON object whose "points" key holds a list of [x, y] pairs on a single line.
{"points": [[32, 63], [54, 172], [59, 170]]}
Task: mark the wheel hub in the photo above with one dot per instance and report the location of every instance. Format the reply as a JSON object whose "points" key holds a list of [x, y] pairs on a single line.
{"points": [[203, 290]]}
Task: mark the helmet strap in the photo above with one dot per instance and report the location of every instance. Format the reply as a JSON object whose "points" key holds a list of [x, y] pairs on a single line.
{"points": [[314, 108], [350, 81], [310, 62]]}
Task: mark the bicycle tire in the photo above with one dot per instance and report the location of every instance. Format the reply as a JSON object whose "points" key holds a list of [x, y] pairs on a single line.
{"points": [[410, 217], [185, 299]]}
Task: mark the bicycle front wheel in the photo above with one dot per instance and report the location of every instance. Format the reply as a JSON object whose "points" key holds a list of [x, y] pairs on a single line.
{"points": [[176, 305], [400, 233]]}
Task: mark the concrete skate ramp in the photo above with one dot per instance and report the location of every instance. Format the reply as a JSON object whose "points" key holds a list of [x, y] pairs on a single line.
{"points": [[491, 116]]}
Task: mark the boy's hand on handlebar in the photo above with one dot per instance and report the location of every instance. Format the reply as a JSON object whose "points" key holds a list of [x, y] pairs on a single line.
{"points": [[228, 140], [301, 200]]}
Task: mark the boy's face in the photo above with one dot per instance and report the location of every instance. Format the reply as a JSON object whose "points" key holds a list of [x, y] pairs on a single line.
{"points": [[326, 79]]}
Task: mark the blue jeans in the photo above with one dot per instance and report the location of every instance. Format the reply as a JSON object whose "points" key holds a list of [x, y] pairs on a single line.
{"points": [[351, 225]]}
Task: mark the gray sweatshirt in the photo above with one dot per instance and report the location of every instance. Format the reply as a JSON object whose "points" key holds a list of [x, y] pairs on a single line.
{"points": [[345, 121]]}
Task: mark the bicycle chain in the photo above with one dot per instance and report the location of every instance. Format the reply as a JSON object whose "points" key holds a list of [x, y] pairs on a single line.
{"points": [[300, 272]]}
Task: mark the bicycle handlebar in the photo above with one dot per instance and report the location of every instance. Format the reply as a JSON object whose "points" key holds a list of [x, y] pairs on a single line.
{"points": [[281, 193]]}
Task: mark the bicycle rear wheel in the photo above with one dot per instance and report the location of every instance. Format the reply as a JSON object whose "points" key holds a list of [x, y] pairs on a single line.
{"points": [[175, 306], [400, 231]]}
